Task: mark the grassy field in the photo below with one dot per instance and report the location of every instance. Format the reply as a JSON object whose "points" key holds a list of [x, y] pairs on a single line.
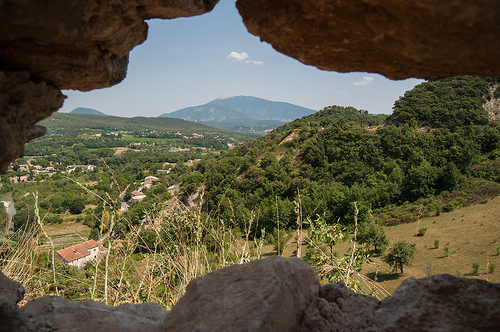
{"points": [[472, 234], [66, 234]]}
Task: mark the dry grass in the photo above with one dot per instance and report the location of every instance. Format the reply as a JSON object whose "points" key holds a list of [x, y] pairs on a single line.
{"points": [[67, 233], [472, 234]]}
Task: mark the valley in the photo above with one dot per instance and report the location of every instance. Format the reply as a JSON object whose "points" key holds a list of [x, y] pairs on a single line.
{"points": [[173, 199]]}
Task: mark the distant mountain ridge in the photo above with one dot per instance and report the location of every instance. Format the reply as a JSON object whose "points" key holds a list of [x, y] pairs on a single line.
{"points": [[84, 110], [242, 113]]}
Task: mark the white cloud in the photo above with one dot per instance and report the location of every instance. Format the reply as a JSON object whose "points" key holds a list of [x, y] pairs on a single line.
{"points": [[342, 92], [255, 62], [237, 56], [365, 81]]}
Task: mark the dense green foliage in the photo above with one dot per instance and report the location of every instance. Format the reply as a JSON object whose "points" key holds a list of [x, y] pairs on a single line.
{"points": [[372, 233], [333, 159], [450, 103], [3, 218]]}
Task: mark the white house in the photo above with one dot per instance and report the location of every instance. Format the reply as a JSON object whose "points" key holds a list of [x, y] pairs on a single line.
{"points": [[136, 196], [79, 254]]}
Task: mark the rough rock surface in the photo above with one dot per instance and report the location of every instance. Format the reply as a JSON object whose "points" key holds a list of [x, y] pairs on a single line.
{"points": [[23, 102], [11, 292], [52, 313], [272, 294], [441, 303], [80, 44], [264, 295], [399, 39], [339, 309]]}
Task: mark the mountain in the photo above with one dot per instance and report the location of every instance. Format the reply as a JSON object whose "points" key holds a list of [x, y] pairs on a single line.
{"points": [[242, 113], [83, 110]]}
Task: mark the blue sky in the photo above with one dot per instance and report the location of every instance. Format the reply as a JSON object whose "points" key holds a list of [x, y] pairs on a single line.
{"points": [[191, 61]]}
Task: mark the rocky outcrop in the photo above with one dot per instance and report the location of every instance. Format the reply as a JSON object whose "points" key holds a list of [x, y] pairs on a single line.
{"points": [[11, 319], [82, 44], [399, 39], [272, 294], [52, 313], [23, 102], [263, 295], [441, 303], [337, 308]]}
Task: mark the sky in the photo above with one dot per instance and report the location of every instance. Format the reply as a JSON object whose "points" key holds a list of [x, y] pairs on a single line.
{"points": [[191, 61]]}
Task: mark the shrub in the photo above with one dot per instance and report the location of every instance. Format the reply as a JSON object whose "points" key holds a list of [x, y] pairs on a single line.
{"points": [[492, 267], [422, 231], [279, 245], [476, 266], [447, 251], [373, 234], [436, 243], [400, 255], [450, 206]]}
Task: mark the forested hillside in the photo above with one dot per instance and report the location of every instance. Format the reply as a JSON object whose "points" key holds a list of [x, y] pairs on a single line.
{"points": [[450, 103], [74, 123], [339, 155]]}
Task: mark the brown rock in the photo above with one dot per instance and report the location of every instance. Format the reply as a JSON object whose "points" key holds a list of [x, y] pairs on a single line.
{"points": [[53, 313], [441, 303], [81, 45], [23, 102], [339, 309], [399, 39], [264, 295], [11, 292]]}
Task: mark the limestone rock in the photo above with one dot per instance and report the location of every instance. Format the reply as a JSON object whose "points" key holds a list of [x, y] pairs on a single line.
{"points": [[441, 303], [11, 292], [53, 313], [272, 294], [399, 39], [264, 295], [80, 44], [23, 102], [339, 309]]}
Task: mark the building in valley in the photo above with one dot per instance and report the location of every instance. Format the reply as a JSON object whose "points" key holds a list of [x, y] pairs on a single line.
{"points": [[79, 254]]}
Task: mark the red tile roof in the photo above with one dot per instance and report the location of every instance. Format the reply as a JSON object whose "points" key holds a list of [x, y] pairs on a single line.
{"points": [[77, 251]]}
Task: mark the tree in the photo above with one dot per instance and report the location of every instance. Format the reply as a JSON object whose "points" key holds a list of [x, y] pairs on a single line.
{"points": [[373, 234], [77, 205], [400, 255]]}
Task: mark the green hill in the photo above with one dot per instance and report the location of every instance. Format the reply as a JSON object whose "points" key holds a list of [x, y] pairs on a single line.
{"points": [[450, 103], [81, 123], [334, 158]]}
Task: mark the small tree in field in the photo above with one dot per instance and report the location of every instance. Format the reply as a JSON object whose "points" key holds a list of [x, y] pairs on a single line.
{"points": [[373, 234], [400, 255]]}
